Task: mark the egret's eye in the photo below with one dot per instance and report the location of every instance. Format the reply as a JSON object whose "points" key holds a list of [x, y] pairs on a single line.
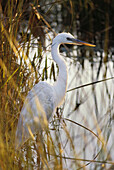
{"points": [[69, 39]]}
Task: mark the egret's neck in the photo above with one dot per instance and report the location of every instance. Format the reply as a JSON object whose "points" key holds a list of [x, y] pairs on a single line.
{"points": [[61, 84]]}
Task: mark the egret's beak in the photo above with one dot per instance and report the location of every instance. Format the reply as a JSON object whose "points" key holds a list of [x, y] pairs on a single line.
{"points": [[79, 42]]}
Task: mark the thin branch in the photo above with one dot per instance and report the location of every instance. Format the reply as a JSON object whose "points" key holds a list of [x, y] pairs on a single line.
{"points": [[83, 127], [85, 160], [88, 84]]}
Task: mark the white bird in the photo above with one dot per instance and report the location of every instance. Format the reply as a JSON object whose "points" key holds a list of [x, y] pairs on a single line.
{"points": [[43, 99]]}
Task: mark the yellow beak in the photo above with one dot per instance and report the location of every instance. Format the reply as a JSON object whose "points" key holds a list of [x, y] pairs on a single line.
{"points": [[79, 42]]}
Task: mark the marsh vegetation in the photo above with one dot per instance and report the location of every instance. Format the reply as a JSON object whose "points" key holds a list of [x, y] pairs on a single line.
{"points": [[81, 133]]}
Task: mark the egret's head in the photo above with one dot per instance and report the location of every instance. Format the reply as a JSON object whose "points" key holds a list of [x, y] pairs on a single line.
{"points": [[67, 38]]}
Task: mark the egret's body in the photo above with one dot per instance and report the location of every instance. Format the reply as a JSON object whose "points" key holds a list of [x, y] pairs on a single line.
{"points": [[43, 99]]}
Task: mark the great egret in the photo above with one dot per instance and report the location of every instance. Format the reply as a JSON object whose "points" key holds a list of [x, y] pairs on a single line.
{"points": [[43, 99]]}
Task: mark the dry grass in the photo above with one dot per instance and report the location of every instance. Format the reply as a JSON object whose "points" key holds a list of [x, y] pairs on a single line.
{"points": [[58, 147]]}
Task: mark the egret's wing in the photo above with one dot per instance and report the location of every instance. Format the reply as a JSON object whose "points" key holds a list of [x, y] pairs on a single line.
{"points": [[38, 107]]}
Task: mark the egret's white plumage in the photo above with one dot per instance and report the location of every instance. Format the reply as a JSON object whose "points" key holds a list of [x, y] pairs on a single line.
{"points": [[43, 99]]}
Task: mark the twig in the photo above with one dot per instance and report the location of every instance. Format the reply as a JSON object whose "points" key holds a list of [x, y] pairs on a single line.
{"points": [[88, 84]]}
